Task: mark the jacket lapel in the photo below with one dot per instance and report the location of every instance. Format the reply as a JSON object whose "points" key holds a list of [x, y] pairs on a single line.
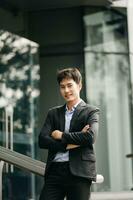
{"points": [[62, 118], [76, 113]]}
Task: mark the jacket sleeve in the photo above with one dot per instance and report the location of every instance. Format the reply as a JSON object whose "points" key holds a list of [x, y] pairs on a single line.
{"points": [[84, 139], [45, 139]]}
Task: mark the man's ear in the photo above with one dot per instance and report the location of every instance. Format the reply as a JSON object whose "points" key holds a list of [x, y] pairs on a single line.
{"points": [[80, 85]]}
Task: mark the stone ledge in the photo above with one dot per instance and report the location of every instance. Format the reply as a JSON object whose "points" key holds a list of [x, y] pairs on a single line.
{"points": [[112, 195]]}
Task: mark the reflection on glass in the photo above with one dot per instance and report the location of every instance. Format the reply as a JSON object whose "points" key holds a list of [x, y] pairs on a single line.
{"points": [[105, 31], [107, 86], [19, 92]]}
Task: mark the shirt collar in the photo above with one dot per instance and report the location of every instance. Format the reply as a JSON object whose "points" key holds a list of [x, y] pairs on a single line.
{"points": [[74, 107]]}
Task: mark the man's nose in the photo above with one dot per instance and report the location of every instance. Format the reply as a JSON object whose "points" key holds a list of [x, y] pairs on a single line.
{"points": [[66, 89]]}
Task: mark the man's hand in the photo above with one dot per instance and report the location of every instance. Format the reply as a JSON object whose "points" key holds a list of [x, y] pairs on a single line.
{"points": [[57, 134], [72, 146], [85, 129]]}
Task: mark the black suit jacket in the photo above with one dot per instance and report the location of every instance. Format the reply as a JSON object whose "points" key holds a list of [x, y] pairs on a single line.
{"points": [[82, 159]]}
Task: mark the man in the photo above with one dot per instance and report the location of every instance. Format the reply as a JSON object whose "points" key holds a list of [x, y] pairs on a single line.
{"points": [[69, 133]]}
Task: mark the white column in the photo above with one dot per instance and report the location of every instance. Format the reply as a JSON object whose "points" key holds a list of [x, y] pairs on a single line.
{"points": [[130, 34]]}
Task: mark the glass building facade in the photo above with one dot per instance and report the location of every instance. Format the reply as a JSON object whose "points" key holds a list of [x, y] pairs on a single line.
{"points": [[108, 85], [106, 63], [19, 92]]}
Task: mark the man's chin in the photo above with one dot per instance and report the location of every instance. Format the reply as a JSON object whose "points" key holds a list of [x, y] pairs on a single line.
{"points": [[69, 100]]}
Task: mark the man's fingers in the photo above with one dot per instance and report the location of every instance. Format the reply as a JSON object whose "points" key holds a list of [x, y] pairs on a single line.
{"points": [[72, 146], [56, 134], [85, 128]]}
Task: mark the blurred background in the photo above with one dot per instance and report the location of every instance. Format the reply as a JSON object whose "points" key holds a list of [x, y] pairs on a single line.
{"points": [[36, 39]]}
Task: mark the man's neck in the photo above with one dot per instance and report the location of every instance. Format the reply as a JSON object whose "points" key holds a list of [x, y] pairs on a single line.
{"points": [[70, 105]]}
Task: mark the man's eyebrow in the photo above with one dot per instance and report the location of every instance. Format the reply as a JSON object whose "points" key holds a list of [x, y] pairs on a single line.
{"points": [[61, 84], [65, 84]]}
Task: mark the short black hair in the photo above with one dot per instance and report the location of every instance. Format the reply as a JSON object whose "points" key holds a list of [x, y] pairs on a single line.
{"points": [[69, 73]]}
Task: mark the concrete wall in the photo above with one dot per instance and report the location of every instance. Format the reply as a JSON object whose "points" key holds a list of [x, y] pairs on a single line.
{"points": [[13, 22]]}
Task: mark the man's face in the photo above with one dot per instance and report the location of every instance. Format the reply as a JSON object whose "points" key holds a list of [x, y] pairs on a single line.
{"points": [[70, 90]]}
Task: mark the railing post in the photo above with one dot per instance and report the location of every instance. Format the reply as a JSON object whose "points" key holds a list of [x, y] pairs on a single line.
{"points": [[9, 132], [1, 172]]}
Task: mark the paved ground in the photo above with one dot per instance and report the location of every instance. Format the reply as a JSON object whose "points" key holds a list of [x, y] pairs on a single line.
{"points": [[112, 196]]}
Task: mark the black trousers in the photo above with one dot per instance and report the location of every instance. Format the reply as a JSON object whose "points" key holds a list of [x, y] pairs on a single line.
{"points": [[60, 183]]}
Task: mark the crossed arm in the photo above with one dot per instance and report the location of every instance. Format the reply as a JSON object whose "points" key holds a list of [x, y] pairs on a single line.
{"points": [[57, 135], [55, 140]]}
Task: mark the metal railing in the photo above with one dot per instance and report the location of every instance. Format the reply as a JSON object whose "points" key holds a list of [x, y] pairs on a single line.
{"points": [[22, 161], [26, 163]]}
